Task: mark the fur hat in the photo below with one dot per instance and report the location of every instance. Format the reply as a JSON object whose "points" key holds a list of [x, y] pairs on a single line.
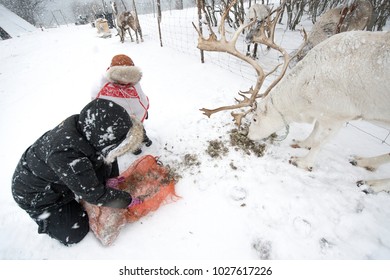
{"points": [[131, 143], [121, 60], [123, 71], [110, 129]]}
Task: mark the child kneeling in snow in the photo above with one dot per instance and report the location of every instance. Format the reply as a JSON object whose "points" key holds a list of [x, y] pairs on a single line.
{"points": [[124, 89], [76, 160]]}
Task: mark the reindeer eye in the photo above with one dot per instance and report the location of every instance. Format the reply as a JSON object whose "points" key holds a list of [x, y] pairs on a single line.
{"points": [[254, 120]]}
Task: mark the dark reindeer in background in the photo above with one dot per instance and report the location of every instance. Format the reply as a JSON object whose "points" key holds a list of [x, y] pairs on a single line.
{"points": [[126, 21], [341, 19], [258, 12]]}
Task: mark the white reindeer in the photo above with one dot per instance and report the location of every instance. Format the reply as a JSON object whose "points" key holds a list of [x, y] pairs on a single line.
{"points": [[344, 78], [259, 12], [341, 19]]}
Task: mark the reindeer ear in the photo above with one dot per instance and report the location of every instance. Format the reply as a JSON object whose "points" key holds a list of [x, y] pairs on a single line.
{"points": [[254, 106]]}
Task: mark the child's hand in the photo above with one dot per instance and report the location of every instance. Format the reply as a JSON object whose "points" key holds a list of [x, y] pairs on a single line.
{"points": [[114, 182], [135, 201]]}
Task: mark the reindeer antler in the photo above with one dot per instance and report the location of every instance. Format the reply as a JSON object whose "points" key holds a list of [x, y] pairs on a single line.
{"points": [[265, 36]]}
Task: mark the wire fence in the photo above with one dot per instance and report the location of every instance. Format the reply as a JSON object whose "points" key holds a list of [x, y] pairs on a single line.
{"points": [[377, 132], [178, 32]]}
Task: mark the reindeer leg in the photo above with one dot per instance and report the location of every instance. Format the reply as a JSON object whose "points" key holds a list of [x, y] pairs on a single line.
{"points": [[131, 37], [122, 35], [140, 34], [136, 36], [376, 185], [248, 50], [370, 163], [254, 55], [308, 142], [325, 130]]}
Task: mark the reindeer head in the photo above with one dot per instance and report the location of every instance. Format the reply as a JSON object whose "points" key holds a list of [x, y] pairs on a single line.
{"points": [[257, 13], [253, 31], [265, 121]]}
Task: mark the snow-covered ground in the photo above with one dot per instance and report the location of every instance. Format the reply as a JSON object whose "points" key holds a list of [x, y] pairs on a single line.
{"points": [[233, 206]]}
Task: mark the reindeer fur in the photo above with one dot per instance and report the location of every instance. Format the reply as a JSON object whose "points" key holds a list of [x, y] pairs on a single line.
{"points": [[258, 12], [336, 20], [344, 78]]}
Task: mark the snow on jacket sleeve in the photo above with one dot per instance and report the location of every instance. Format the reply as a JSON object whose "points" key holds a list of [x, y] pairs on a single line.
{"points": [[77, 172]]}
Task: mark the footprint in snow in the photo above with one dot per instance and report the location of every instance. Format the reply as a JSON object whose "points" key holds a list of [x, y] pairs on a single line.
{"points": [[238, 193], [302, 226]]}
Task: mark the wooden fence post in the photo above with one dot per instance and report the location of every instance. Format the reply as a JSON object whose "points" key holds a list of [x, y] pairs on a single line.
{"points": [[159, 21], [201, 4]]}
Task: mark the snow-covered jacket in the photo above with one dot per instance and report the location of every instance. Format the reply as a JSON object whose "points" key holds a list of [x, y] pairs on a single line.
{"points": [[76, 158], [124, 89]]}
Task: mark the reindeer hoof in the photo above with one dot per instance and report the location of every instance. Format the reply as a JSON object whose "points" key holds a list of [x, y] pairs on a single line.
{"points": [[300, 145], [296, 162], [360, 183], [366, 189], [355, 162], [292, 162]]}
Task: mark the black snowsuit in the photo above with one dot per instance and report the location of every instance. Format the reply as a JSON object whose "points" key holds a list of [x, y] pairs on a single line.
{"points": [[66, 164]]}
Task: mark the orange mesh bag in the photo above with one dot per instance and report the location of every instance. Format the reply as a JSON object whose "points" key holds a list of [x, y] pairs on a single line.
{"points": [[150, 181], [147, 179]]}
